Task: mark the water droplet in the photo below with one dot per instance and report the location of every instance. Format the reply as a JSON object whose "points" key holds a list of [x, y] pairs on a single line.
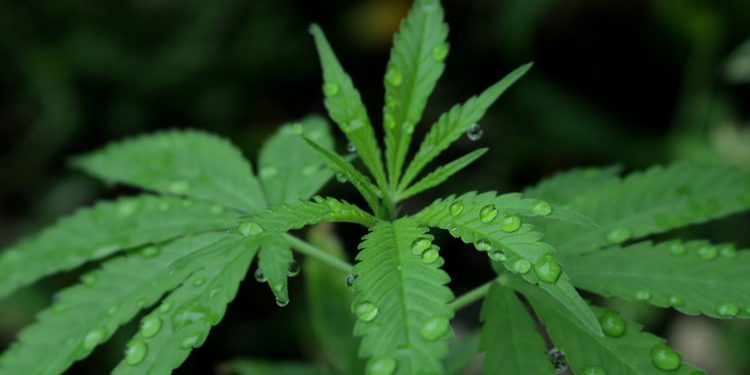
{"points": [[431, 255], [393, 76], [456, 208], [199, 281], [728, 310], [497, 256], [541, 208], [150, 251], [282, 302], [643, 295], [94, 338], [349, 280], [408, 127], [728, 251], [318, 199], [483, 245], [382, 366], [127, 207], [351, 148], [135, 352], [195, 340], [89, 279], [334, 205], [510, 223], [440, 51], [112, 310], [475, 132], [150, 326], [259, 276], [330, 89], [708, 252], [488, 213], [677, 248], [366, 311], [179, 187], [311, 170], [249, 229], [434, 328], [454, 231], [293, 269], [268, 172], [676, 300], [391, 102], [593, 370], [558, 359], [297, 128], [389, 121], [663, 357], [612, 324], [164, 308], [340, 177], [618, 235], [420, 245], [547, 269], [522, 266]]}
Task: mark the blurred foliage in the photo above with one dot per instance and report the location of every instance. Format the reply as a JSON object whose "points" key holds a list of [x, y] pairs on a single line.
{"points": [[617, 82]]}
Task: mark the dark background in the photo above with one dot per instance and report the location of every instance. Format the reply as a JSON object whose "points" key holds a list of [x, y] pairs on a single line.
{"points": [[615, 82]]}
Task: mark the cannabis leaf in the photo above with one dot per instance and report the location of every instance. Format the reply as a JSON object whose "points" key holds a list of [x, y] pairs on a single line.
{"points": [[442, 173], [562, 187], [295, 216]]}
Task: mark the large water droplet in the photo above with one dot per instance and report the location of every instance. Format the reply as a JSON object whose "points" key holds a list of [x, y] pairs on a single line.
{"points": [[382, 366], [268, 172], [193, 341], [420, 245], [179, 187], [728, 310], [497, 256], [708, 252], [488, 213], [431, 255], [135, 352], [541, 208], [150, 326], [677, 248], [593, 370], [94, 338], [249, 229], [259, 276], [349, 280], [282, 302], [483, 245], [454, 231], [434, 328], [366, 311], [150, 251], [293, 269], [547, 269], [663, 357], [456, 208], [510, 223], [393, 76], [643, 295], [330, 89], [475, 132], [351, 148], [522, 266], [612, 324], [440, 51], [618, 235]]}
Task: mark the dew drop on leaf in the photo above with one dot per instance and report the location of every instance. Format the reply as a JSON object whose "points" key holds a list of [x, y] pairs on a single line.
{"points": [[193, 341], [431, 255], [728, 251], [310, 170], [547, 269], [541, 208], [349, 280], [618, 235], [434, 328], [282, 302], [249, 229], [94, 338], [318, 199], [89, 279], [496, 256], [382, 366], [456, 208], [179, 187], [420, 245], [665, 358], [216, 209], [475, 132], [389, 121], [164, 308], [488, 213], [510, 223], [330, 89], [728, 310], [366, 311], [522, 266], [593, 370], [199, 281], [440, 51], [351, 148], [135, 352], [127, 208], [297, 128], [293, 269], [334, 205], [408, 127], [708, 252], [112, 310], [454, 231], [643, 295], [150, 326], [393, 76], [340, 177], [150, 251], [677, 248], [676, 300], [259, 276], [268, 173], [483, 245], [612, 324], [558, 360]]}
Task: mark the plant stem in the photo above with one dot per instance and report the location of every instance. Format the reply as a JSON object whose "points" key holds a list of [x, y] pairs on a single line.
{"points": [[471, 296], [314, 252]]}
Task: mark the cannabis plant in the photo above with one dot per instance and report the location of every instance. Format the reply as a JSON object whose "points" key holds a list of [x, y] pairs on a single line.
{"points": [[178, 253]]}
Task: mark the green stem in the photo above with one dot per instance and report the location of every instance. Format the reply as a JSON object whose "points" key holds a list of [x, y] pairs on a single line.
{"points": [[471, 296], [314, 252]]}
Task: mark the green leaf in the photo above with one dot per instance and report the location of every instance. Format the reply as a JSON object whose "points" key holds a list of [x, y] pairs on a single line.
{"points": [[453, 124], [188, 163], [187, 314], [296, 216], [248, 366], [510, 340], [346, 109], [401, 300], [347, 170], [274, 259], [416, 63], [462, 352], [288, 168], [654, 201], [628, 354], [562, 187], [567, 295], [89, 313], [329, 302], [442, 173], [671, 274], [97, 232]]}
